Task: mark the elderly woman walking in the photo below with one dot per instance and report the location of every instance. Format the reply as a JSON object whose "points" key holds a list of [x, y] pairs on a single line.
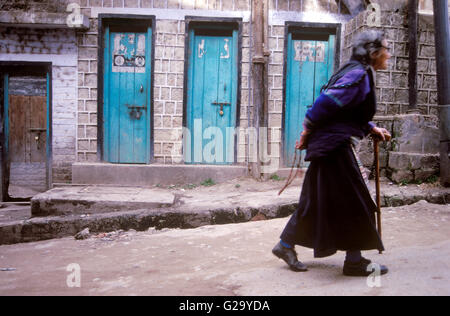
{"points": [[336, 211]]}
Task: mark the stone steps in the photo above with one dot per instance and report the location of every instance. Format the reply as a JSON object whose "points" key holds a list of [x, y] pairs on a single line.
{"points": [[105, 209], [78, 200], [154, 174]]}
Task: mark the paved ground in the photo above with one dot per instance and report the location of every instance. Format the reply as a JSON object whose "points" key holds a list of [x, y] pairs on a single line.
{"points": [[232, 259]]}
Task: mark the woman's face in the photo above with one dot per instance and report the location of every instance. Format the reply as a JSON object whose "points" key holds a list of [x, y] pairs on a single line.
{"points": [[380, 58]]}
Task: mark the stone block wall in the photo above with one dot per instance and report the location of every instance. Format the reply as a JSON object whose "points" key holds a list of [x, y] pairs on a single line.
{"points": [[28, 175], [412, 155], [60, 48], [323, 11], [35, 5], [392, 84], [87, 93], [426, 69], [168, 91], [168, 71], [169, 67], [75, 59]]}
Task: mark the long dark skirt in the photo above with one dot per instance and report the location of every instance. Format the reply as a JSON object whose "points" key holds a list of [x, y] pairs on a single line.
{"points": [[336, 211]]}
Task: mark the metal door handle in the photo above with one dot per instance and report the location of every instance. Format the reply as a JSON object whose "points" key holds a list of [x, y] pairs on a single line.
{"points": [[221, 106], [136, 107], [135, 111]]}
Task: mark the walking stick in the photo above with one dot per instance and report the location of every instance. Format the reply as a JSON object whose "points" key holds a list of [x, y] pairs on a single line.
{"points": [[376, 151], [377, 183]]}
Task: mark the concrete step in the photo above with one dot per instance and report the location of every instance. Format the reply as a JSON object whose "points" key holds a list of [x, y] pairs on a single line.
{"points": [[154, 174], [77, 200], [42, 228], [221, 204]]}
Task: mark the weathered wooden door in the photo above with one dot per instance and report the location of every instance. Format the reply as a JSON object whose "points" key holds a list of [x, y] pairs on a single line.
{"points": [[212, 96], [310, 63], [27, 129], [127, 96]]}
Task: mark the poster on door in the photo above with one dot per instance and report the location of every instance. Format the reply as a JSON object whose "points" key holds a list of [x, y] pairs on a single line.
{"points": [[129, 54], [309, 51]]}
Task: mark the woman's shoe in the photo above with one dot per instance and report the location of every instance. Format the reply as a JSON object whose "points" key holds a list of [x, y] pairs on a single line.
{"points": [[290, 257], [361, 268]]}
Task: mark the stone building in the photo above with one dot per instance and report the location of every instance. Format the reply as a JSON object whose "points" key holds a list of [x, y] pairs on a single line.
{"points": [[145, 92]]}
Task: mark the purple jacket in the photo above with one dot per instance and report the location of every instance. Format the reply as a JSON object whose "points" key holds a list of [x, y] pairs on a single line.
{"points": [[344, 109]]}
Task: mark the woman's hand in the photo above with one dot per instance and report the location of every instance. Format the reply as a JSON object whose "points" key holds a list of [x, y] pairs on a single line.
{"points": [[303, 142], [381, 133]]}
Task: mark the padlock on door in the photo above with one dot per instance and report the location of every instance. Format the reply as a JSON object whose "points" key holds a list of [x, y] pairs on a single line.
{"points": [[37, 138]]}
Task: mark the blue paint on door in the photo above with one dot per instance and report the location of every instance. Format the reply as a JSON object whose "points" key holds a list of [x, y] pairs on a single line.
{"points": [[309, 66], [211, 98], [127, 96]]}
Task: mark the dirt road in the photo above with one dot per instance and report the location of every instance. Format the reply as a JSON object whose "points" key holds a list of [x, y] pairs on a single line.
{"points": [[232, 259]]}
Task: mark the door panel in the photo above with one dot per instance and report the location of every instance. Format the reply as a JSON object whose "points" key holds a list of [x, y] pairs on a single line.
{"points": [[299, 92], [27, 128], [309, 66], [27, 150], [38, 125], [212, 89], [127, 97], [18, 138]]}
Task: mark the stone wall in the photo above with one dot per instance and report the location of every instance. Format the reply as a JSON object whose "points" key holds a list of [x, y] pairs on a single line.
{"points": [[392, 84], [60, 48], [412, 155], [169, 65], [168, 71], [34, 5], [426, 69], [27, 85], [87, 93], [322, 11], [28, 175], [75, 59]]}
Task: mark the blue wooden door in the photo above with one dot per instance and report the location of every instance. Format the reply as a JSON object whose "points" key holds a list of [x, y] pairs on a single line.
{"points": [[127, 97], [211, 98], [309, 66]]}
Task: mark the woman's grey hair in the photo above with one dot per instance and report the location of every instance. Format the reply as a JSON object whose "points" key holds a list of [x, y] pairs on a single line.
{"points": [[367, 43]]}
